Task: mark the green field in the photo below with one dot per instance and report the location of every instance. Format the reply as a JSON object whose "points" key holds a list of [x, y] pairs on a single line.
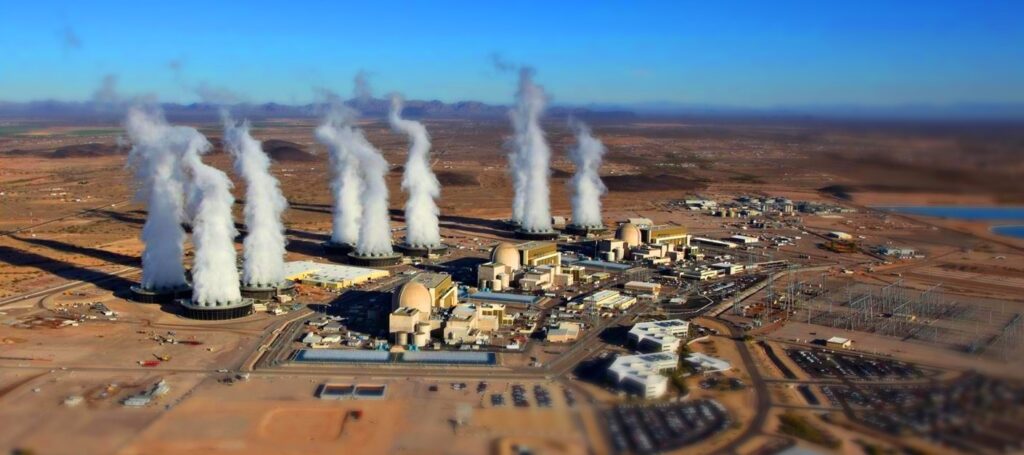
{"points": [[96, 132], [14, 130]]}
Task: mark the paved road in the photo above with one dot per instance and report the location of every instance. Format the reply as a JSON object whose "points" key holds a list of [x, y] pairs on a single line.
{"points": [[66, 286], [764, 400]]}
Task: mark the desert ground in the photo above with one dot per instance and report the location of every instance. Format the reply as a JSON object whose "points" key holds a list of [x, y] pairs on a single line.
{"points": [[68, 220]]}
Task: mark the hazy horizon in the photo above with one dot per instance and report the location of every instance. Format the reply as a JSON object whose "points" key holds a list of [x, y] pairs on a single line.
{"points": [[650, 56]]}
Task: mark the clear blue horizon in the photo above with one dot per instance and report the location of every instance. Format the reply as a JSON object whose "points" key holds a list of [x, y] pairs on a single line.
{"points": [[741, 53]]}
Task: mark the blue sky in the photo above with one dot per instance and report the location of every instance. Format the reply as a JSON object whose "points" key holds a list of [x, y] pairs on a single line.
{"points": [[731, 53]]}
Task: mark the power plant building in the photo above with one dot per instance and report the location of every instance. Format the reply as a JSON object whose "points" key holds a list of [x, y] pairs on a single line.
{"points": [[413, 305], [642, 287], [604, 300], [330, 276], [531, 265], [536, 253], [665, 234], [473, 323]]}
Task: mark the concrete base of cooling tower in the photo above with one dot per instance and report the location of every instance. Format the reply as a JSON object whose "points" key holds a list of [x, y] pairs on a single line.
{"points": [[535, 235], [166, 295], [337, 249], [387, 260], [267, 293], [229, 310], [585, 231], [422, 251]]}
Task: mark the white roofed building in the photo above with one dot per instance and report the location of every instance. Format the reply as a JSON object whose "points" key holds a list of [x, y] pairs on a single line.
{"points": [[658, 336], [643, 374]]}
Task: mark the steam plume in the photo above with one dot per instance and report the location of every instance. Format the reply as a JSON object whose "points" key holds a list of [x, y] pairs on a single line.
{"points": [[214, 273], [361, 89], [418, 180], [530, 157], [264, 242], [345, 183], [374, 226], [586, 184], [155, 160]]}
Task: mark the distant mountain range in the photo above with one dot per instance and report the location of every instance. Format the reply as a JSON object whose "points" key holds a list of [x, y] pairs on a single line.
{"points": [[378, 108], [371, 108]]}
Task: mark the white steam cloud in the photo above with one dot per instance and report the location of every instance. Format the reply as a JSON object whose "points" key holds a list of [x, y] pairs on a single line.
{"points": [[264, 243], [530, 157], [586, 184], [374, 226], [214, 271], [155, 159], [418, 180], [346, 186]]}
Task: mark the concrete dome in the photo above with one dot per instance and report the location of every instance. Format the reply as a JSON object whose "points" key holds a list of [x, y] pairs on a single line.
{"points": [[629, 233], [412, 295], [505, 253]]}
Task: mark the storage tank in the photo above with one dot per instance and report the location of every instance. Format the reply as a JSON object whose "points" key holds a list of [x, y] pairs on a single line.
{"points": [[497, 285], [423, 327], [609, 256], [421, 339], [402, 338]]}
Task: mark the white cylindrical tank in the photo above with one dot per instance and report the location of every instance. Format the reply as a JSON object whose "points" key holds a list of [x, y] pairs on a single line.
{"points": [[420, 339], [619, 254], [402, 338], [423, 327], [497, 285], [609, 256]]}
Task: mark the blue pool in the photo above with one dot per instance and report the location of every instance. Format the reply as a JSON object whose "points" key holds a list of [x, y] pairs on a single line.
{"points": [[971, 213]]}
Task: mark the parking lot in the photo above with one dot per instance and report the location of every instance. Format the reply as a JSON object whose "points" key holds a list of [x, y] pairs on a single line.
{"points": [[524, 397], [663, 427], [827, 364], [972, 414]]}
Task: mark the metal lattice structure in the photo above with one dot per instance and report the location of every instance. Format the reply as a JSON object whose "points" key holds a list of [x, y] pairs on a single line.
{"points": [[909, 314]]}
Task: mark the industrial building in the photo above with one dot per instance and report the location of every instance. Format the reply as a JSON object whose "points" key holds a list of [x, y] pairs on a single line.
{"points": [[612, 249], [899, 252], [728, 268], [642, 287], [744, 239], [330, 276], [473, 323], [536, 253], [643, 374], [640, 221], [564, 332], [839, 343], [658, 336], [603, 301], [699, 273], [502, 298], [442, 290], [714, 243], [414, 304], [839, 235], [531, 265], [665, 234]]}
